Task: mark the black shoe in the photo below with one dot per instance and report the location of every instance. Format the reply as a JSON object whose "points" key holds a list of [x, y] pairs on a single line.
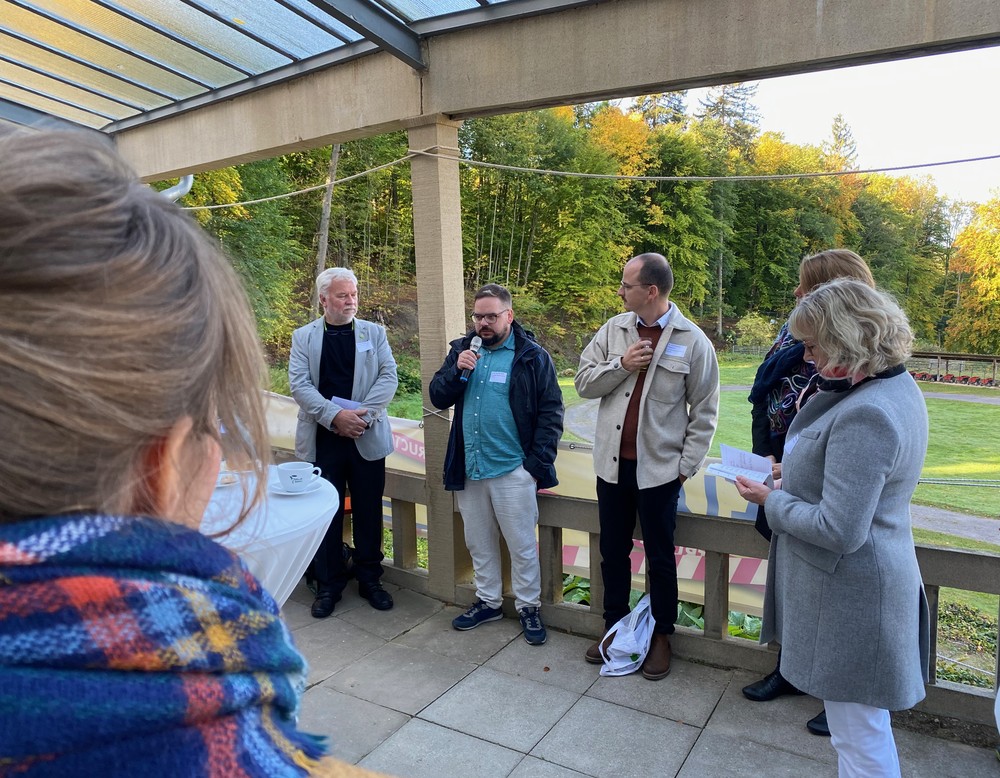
{"points": [[324, 604], [817, 724], [377, 597], [769, 688]]}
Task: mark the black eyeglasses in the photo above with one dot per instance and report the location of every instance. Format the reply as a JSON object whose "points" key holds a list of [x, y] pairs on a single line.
{"points": [[626, 287], [488, 318]]}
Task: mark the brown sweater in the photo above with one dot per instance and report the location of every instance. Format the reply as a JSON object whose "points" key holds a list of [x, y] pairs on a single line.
{"points": [[630, 427]]}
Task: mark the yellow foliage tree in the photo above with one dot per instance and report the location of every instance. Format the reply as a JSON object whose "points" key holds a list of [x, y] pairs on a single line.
{"points": [[975, 325]]}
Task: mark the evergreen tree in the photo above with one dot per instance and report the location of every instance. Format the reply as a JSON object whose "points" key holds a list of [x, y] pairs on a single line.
{"points": [[732, 106], [659, 110], [841, 151]]}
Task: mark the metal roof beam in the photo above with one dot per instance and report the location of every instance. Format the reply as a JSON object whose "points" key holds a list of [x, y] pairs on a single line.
{"points": [[32, 117], [377, 26]]}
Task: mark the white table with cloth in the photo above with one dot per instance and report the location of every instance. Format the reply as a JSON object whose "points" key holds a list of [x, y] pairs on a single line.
{"points": [[280, 537]]}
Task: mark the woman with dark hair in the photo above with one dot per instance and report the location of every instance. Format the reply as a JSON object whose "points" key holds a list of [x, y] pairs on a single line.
{"points": [[130, 644], [780, 378], [844, 595]]}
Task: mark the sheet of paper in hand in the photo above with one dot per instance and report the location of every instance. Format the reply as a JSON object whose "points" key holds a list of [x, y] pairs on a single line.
{"points": [[737, 462]]}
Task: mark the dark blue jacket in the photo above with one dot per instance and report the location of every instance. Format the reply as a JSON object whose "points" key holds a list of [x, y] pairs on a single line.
{"points": [[535, 401]]}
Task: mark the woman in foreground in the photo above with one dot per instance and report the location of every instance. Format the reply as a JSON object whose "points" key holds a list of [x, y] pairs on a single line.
{"points": [[844, 595], [130, 644]]}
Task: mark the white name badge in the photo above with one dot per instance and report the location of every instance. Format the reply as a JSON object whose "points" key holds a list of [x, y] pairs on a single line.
{"points": [[675, 350], [790, 444], [364, 345], [498, 377]]}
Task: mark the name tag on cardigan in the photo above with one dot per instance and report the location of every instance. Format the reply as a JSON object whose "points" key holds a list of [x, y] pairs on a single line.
{"points": [[675, 350], [790, 444], [364, 345]]}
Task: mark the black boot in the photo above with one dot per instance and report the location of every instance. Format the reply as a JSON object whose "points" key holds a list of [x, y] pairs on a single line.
{"points": [[324, 603], [769, 688], [817, 724]]}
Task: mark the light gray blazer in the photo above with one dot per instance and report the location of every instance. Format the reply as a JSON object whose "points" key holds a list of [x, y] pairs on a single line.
{"points": [[375, 385], [844, 595]]}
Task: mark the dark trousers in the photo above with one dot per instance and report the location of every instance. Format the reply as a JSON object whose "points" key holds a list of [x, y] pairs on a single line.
{"points": [[617, 506], [342, 466]]}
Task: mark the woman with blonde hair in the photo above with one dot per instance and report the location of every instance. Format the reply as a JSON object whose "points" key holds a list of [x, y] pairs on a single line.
{"points": [[780, 378], [844, 595], [129, 642]]}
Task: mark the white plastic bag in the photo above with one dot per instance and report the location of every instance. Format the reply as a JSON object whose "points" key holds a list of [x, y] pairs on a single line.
{"points": [[630, 642]]}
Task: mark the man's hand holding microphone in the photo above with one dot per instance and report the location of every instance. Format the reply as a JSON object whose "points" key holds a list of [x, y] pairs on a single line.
{"points": [[466, 361]]}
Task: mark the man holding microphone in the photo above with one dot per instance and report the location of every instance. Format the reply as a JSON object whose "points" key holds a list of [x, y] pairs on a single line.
{"points": [[507, 424]]}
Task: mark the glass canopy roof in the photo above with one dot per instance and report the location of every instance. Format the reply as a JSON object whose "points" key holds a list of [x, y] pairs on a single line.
{"points": [[111, 64]]}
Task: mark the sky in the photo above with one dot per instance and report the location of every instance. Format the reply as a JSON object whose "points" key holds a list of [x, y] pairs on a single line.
{"points": [[910, 111]]}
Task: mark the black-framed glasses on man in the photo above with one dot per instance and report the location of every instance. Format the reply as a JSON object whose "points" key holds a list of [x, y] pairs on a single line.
{"points": [[626, 287], [487, 318]]}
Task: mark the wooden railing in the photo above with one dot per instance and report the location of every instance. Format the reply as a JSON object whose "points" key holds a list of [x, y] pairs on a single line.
{"points": [[720, 539]]}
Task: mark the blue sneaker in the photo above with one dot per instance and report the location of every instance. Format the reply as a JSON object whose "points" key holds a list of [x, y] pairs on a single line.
{"points": [[478, 614], [531, 623]]}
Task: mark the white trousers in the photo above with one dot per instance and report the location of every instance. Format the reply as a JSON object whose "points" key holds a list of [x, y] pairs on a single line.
{"points": [[862, 736], [506, 504]]}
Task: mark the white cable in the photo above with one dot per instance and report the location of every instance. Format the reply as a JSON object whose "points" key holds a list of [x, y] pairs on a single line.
{"points": [[300, 191], [767, 177], [602, 176]]}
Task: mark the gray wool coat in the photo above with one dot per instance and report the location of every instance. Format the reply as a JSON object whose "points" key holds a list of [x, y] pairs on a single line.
{"points": [[844, 595]]}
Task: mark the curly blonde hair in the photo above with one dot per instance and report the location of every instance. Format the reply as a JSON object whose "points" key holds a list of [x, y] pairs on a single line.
{"points": [[862, 330], [118, 319]]}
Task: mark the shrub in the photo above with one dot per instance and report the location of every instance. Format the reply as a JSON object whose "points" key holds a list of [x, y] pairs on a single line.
{"points": [[408, 371], [754, 330]]}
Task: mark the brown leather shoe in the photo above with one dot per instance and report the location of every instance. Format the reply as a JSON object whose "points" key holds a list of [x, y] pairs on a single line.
{"points": [[657, 663], [593, 654]]}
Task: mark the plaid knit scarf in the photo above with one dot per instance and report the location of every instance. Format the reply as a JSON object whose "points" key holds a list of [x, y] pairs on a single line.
{"points": [[131, 646]]}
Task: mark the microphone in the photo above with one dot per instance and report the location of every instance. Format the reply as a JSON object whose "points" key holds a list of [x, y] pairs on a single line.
{"points": [[475, 345]]}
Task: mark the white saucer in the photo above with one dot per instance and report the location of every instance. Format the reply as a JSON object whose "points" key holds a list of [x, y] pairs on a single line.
{"points": [[277, 488]]}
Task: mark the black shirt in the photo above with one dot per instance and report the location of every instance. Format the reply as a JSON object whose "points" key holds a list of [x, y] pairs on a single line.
{"points": [[336, 366]]}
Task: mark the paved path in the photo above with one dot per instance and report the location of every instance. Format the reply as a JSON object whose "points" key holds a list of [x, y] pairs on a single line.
{"points": [[403, 693], [581, 420]]}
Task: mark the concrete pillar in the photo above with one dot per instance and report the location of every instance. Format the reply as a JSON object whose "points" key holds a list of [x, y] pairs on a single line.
{"points": [[437, 237]]}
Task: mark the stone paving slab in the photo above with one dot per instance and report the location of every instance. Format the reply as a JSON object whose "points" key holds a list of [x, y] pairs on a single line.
{"points": [[599, 738], [688, 695], [332, 644], [354, 727], [399, 677], [475, 645], [780, 723], [530, 767], [296, 615], [409, 610], [927, 757], [559, 662], [718, 754], [420, 749], [502, 709]]}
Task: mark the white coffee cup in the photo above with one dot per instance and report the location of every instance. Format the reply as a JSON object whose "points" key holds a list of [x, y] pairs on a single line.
{"points": [[297, 476]]}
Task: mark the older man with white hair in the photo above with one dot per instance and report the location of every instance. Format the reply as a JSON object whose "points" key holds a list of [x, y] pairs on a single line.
{"points": [[343, 376]]}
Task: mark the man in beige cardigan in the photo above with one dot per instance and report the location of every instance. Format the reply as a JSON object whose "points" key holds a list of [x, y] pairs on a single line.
{"points": [[657, 377]]}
